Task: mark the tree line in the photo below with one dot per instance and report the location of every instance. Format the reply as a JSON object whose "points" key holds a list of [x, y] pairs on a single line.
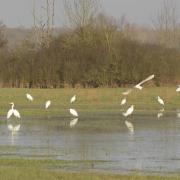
{"points": [[97, 53]]}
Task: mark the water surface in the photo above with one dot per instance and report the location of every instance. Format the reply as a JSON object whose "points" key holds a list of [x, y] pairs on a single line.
{"points": [[101, 138]]}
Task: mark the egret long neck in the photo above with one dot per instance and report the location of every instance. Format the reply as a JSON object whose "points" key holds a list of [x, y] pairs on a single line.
{"points": [[12, 106]]}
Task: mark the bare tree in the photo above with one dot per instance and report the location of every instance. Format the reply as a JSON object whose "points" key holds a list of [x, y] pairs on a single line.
{"points": [[80, 13], [44, 25], [3, 40], [167, 25]]}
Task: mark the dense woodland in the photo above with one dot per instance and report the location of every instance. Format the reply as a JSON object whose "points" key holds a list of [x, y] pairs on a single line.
{"points": [[100, 52]]}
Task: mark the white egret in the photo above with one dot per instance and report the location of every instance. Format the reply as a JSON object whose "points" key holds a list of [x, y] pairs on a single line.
{"points": [[127, 92], [13, 111], [138, 86], [14, 128], [160, 100], [47, 104], [129, 111], [130, 126], [73, 99], [178, 114], [178, 88], [29, 97], [73, 122], [123, 101], [73, 112]]}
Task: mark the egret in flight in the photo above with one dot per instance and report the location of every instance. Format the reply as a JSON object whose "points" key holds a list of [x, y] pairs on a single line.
{"points": [[73, 99], [130, 126], [160, 100], [73, 112], [29, 97], [123, 101], [73, 122], [47, 104], [129, 111], [13, 111], [138, 86]]}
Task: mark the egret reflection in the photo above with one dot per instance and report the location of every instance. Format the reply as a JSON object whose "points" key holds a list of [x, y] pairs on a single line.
{"points": [[130, 126], [73, 122], [178, 113], [160, 114], [14, 129]]}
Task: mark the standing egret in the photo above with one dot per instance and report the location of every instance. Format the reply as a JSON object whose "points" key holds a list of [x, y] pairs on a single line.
{"points": [[178, 114], [178, 89], [127, 92], [47, 104], [73, 99], [73, 112], [160, 101], [123, 101], [130, 126], [129, 111], [73, 122], [138, 86], [29, 97], [13, 111]]}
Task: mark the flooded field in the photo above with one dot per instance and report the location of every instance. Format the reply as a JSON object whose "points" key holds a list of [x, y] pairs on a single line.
{"points": [[101, 139]]}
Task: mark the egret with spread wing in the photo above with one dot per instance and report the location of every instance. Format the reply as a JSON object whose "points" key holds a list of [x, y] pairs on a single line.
{"points": [[13, 111], [138, 86]]}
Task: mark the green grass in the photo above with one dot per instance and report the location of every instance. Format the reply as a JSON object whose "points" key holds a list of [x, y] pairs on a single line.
{"points": [[20, 169], [88, 100], [103, 100]]}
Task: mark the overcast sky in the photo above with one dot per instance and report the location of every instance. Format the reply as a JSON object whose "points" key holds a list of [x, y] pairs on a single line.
{"points": [[15, 13]]}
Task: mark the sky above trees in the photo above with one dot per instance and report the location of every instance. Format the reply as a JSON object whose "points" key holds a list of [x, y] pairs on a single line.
{"points": [[19, 12]]}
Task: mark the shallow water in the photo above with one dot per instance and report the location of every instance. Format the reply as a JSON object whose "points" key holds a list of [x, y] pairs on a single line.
{"points": [[103, 139]]}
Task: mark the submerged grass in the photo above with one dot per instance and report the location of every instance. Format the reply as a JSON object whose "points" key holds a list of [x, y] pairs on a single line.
{"points": [[88, 100], [21, 169]]}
